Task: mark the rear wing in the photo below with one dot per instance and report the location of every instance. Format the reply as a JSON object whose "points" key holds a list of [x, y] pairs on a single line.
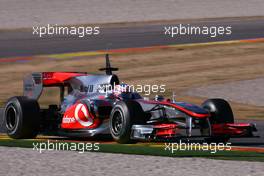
{"points": [[34, 83]]}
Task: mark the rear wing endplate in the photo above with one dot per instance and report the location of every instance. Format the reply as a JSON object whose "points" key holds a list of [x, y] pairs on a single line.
{"points": [[33, 85]]}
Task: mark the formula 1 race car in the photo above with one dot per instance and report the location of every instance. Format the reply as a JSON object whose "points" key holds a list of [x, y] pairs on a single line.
{"points": [[89, 108]]}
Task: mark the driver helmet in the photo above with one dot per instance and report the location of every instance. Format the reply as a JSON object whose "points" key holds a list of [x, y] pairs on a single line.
{"points": [[121, 88]]}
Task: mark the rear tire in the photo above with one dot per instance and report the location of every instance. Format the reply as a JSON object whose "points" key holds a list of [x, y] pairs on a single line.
{"points": [[123, 116], [22, 117]]}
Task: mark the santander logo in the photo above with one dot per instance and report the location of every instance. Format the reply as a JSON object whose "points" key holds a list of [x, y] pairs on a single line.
{"points": [[79, 110]]}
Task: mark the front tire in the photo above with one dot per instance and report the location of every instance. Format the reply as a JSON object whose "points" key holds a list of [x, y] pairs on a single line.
{"points": [[22, 117], [221, 112], [123, 116]]}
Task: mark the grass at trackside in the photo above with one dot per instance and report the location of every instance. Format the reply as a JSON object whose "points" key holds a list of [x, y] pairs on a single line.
{"points": [[159, 151], [151, 150]]}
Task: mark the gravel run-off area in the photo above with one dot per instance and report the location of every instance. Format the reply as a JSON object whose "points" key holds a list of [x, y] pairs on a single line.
{"points": [[18, 161], [247, 91]]}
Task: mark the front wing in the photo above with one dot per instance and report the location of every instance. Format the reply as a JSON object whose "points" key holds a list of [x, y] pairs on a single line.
{"points": [[171, 131]]}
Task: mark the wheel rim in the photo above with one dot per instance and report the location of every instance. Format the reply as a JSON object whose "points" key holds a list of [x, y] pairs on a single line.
{"points": [[117, 122], [11, 119]]}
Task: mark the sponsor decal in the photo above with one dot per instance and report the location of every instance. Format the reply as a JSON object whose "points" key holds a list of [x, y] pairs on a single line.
{"points": [[68, 119], [80, 112]]}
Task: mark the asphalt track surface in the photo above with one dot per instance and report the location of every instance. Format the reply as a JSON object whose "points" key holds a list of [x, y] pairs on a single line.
{"points": [[24, 43]]}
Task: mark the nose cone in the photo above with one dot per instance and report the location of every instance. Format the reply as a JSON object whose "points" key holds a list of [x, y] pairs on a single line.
{"points": [[193, 108]]}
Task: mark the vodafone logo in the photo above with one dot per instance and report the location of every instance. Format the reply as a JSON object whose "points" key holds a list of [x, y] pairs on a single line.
{"points": [[80, 113], [68, 119]]}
